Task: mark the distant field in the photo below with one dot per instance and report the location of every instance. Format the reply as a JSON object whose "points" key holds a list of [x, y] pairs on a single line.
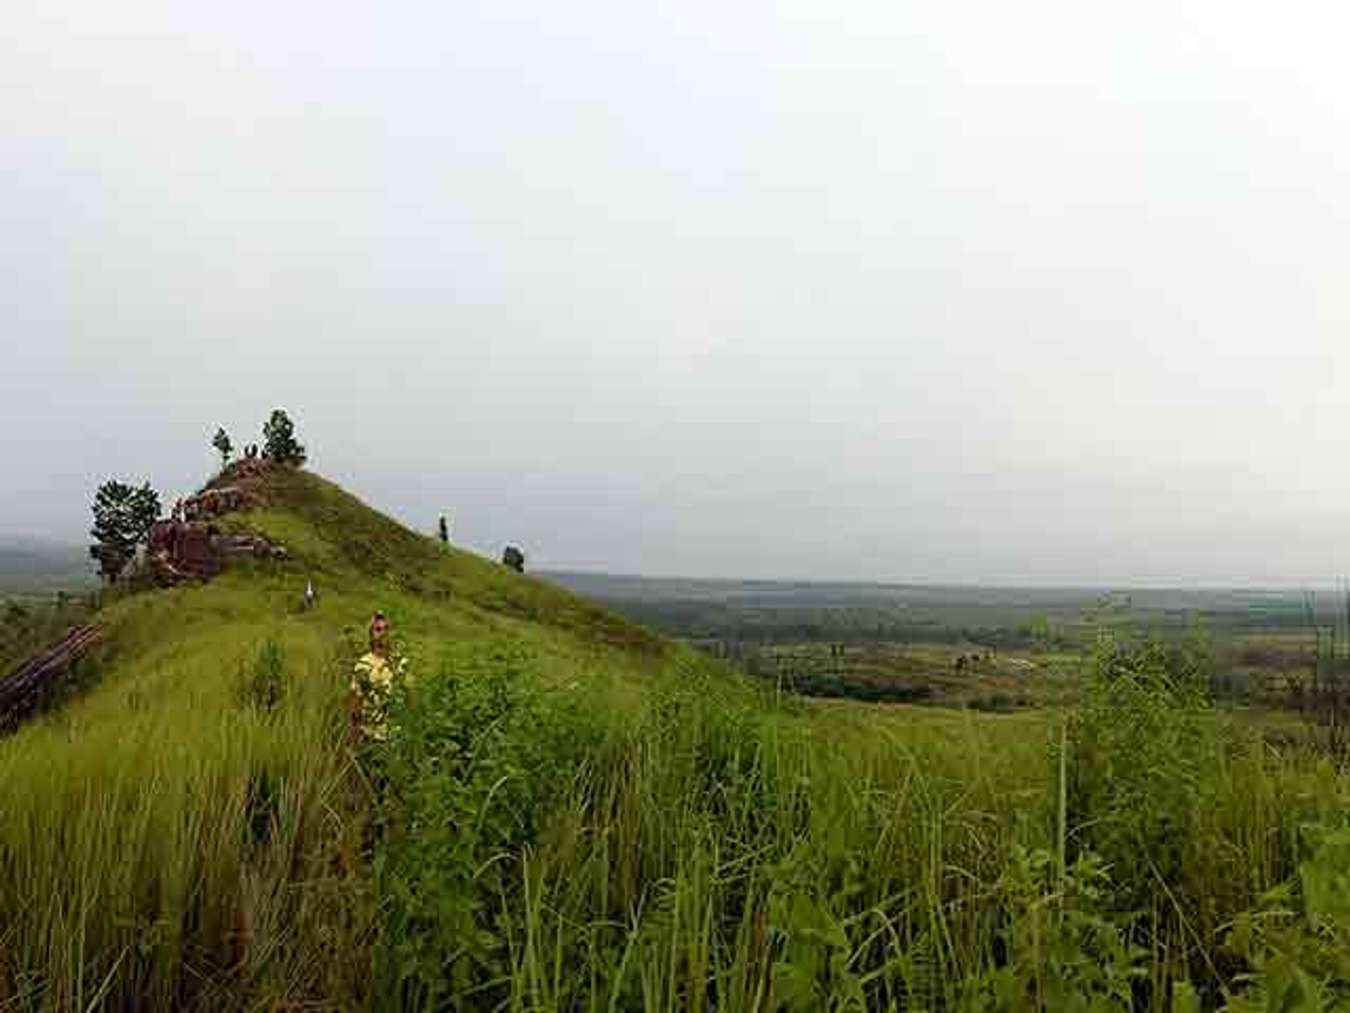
{"points": [[987, 647], [694, 607], [31, 567]]}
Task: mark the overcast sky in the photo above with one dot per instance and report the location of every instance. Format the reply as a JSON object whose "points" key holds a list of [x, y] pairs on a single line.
{"points": [[1038, 291]]}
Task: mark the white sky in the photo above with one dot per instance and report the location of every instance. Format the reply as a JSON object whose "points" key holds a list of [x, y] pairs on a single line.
{"points": [[1045, 291]]}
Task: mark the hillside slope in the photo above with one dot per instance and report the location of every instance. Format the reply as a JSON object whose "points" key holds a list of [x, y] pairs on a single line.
{"points": [[157, 827], [572, 813]]}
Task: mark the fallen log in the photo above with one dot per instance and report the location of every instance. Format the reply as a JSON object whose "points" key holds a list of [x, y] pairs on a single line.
{"points": [[24, 690]]}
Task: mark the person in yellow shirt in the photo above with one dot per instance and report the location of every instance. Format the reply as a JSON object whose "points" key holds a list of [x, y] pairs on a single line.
{"points": [[372, 681]]}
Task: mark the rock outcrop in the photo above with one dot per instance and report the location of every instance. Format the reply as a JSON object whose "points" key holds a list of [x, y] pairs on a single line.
{"points": [[188, 546], [190, 550]]}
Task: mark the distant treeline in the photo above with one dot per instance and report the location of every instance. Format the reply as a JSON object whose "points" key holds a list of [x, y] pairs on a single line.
{"points": [[794, 677], [821, 685], [992, 627], [702, 621], [753, 660]]}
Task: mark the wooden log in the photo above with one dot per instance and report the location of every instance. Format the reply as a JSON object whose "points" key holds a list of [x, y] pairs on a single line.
{"points": [[24, 690]]}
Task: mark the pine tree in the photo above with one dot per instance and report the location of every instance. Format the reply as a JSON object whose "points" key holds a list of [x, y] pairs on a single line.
{"points": [[279, 443], [123, 516], [222, 443]]}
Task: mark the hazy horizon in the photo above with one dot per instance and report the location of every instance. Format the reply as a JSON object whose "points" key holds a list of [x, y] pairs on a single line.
{"points": [[1042, 295], [41, 545]]}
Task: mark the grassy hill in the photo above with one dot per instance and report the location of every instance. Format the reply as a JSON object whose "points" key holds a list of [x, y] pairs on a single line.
{"points": [[167, 836], [574, 813]]}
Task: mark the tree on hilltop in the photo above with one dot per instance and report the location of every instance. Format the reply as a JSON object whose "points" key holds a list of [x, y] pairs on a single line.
{"points": [[279, 443], [223, 444], [513, 559], [123, 516]]}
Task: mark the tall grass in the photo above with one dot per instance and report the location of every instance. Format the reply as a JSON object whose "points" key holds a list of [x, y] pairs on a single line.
{"points": [[178, 840], [719, 848]]}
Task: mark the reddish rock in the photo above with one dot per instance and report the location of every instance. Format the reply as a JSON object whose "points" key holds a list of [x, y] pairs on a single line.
{"points": [[249, 467], [187, 546], [214, 502], [189, 550]]}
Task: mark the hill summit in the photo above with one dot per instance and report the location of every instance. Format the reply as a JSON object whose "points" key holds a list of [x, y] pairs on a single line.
{"points": [[317, 532]]}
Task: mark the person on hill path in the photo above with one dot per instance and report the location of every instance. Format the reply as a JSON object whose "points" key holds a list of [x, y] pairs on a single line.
{"points": [[372, 683]]}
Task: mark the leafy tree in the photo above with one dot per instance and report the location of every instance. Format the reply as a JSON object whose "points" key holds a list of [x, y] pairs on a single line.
{"points": [[123, 515], [279, 443], [445, 530], [514, 559], [222, 443]]}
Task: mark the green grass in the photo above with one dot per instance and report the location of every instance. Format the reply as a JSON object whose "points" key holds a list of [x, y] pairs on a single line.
{"points": [[164, 840], [573, 813], [721, 850]]}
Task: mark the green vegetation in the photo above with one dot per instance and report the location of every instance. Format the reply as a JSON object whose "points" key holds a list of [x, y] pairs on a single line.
{"points": [[279, 442], [717, 847], [223, 445], [573, 813], [123, 515], [954, 676]]}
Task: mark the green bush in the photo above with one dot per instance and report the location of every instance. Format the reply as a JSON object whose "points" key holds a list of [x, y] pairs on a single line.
{"points": [[473, 756], [262, 683]]}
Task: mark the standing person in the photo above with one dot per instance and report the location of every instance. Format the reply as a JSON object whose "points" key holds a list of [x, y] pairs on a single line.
{"points": [[372, 680]]}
